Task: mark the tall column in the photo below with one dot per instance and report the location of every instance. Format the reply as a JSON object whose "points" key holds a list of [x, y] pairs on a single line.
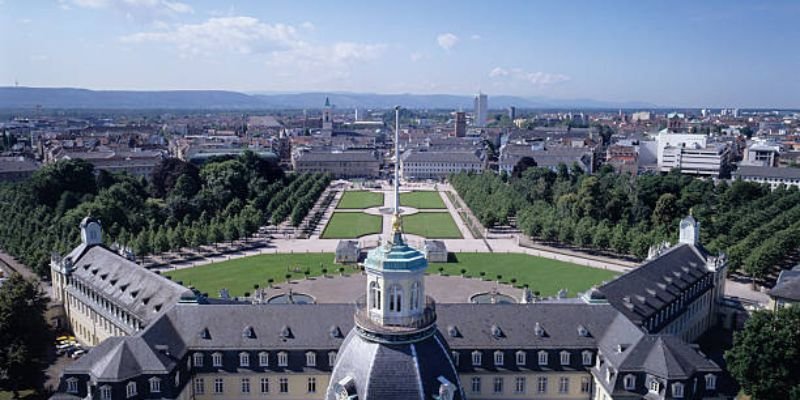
{"points": [[397, 160]]}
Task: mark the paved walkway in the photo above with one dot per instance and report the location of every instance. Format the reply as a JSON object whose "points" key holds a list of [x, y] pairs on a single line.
{"points": [[465, 232], [346, 289]]}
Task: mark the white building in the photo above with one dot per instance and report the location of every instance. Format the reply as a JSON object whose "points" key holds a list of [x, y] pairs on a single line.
{"points": [[481, 109], [438, 165], [769, 175], [691, 153]]}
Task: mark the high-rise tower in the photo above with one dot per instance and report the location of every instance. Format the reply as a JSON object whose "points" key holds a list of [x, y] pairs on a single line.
{"points": [[395, 350], [481, 109]]}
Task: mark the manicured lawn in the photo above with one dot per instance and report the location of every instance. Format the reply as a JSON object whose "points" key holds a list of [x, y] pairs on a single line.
{"points": [[239, 275], [422, 200], [540, 274], [432, 225], [360, 200], [350, 225], [23, 394]]}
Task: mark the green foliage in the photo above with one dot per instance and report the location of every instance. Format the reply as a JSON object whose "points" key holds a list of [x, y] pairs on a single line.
{"points": [[755, 226], [180, 206], [765, 358], [25, 337]]}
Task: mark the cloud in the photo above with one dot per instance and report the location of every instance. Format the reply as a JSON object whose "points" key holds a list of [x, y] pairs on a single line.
{"points": [[415, 56], [141, 9], [447, 40], [281, 44], [242, 35], [534, 78]]}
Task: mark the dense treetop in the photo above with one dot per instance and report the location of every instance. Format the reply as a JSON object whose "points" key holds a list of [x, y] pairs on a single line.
{"points": [[180, 205], [757, 227]]}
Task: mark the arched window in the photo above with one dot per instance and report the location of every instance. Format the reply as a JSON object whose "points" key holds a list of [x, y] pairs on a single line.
{"points": [[415, 296], [375, 295], [396, 298]]}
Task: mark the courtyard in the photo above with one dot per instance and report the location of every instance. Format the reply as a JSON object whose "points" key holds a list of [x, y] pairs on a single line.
{"points": [[542, 275]]}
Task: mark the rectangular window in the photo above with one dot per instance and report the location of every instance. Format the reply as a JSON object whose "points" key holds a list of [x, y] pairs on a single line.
{"points": [[541, 384], [476, 385], [587, 358], [198, 359], [542, 358], [244, 359], [284, 385], [563, 385], [519, 384], [199, 386], [476, 358], [72, 386], [331, 358], [520, 358], [586, 385], [245, 385], [216, 359], [311, 359], [130, 389], [263, 359], [312, 385], [498, 385], [105, 393], [219, 385], [498, 358], [155, 385], [283, 359], [454, 356], [564, 358], [264, 385]]}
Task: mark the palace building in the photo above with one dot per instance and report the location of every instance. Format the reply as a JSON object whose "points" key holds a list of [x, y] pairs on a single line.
{"points": [[630, 338]]}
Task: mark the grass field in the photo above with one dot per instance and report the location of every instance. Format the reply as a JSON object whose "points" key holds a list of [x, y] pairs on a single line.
{"points": [[429, 200], [541, 274], [350, 225], [360, 200], [239, 275], [432, 225]]}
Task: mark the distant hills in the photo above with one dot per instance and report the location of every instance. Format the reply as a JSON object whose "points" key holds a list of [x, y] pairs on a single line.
{"points": [[70, 98]]}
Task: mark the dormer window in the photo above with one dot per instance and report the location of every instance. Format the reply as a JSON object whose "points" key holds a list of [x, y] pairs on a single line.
{"points": [[498, 358], [630, 382], [711, 382], [586, 357], [476, 358], [105, 392], [454, 357], [542, 357], [130, 389], [677, 390], [564, 358], [654, 386], [72, 385], [283, 359], [311, 359], [249, 332], [198, 359], [521, 358], [331, 358], [244, 359], [216, 359], [155, 385], [609, 374]]}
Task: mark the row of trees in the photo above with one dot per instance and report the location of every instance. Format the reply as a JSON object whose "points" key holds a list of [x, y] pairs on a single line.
{"points": [[180, 205], [627, 214]]}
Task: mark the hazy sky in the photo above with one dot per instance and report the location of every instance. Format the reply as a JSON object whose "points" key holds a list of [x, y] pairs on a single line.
{"points": [[681, 53]]}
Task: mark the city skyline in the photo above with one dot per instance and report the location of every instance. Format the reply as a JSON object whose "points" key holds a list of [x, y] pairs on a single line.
{"points": [[715, 54]]}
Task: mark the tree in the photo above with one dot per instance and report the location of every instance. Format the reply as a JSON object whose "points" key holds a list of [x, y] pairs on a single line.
{"points": [[666, 209], [765, 356], [166, 174], [25, 336], [522, 165]]}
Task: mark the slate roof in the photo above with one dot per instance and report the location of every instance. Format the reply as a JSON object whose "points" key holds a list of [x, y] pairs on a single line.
{"points": [[745, 171], [787, 285], [643, 291], [456, 157], [394, 372], [126, 284], [666, 356], [120, 358], [351, 156]]}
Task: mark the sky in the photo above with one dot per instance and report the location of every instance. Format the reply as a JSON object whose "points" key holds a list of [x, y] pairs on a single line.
{"points": [[670, 53]]}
